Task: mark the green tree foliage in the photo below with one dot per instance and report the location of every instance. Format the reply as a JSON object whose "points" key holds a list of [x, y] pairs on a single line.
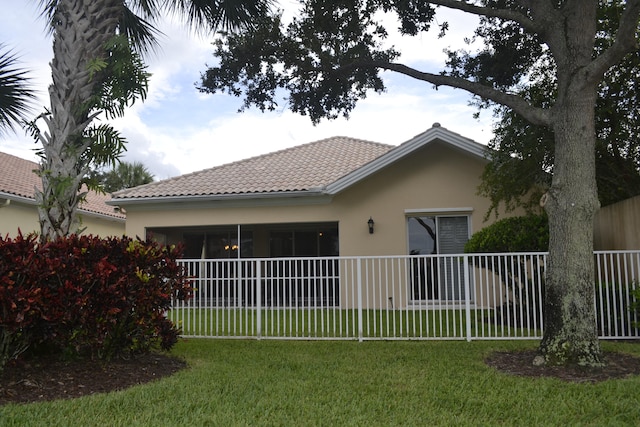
{"points": [[520, 273], [528, 233], [124, 175], [15, 92], [98, 71], [522, 156], [332, 54]]}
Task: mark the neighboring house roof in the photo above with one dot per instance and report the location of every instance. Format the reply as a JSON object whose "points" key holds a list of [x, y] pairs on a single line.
{"points": [[18, 181], [323, 167]]}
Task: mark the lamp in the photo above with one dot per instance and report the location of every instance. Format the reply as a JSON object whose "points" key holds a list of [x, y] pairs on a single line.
{"points": [[370, 224]]}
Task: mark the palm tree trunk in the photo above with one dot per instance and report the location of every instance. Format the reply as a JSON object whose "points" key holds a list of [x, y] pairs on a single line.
{"points": [[81, 29]]}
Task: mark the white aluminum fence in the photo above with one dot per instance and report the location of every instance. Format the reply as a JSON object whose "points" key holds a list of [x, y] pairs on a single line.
{"points": [[467, 296]]}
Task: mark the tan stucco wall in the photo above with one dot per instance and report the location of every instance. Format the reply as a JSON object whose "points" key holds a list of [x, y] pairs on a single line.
{"points": [[23, 216], [434, 178], [18, 216], [102, 227]]}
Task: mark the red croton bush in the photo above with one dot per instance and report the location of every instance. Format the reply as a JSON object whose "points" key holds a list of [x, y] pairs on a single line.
{"points": [[86, 296]]}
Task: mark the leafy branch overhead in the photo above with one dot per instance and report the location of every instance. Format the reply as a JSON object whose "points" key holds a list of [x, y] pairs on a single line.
{"points": [[331, 55], [522, 155], [321, 75]]}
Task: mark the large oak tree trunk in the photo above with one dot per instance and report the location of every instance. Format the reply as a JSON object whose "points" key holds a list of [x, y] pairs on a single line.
{"points": [[81, 29], [570, 332]]}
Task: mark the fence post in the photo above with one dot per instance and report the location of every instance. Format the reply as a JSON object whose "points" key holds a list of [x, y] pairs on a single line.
{"points": [[258, 299], [359, 284], [467, 295]]}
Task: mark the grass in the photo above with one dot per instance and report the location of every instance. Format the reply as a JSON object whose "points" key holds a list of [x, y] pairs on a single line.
{"points": [[340, 323], [242, 382]]}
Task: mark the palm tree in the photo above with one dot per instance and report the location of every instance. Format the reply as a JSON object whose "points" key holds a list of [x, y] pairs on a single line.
{"points": [[15, 93], [125, 175], [96, 69]]}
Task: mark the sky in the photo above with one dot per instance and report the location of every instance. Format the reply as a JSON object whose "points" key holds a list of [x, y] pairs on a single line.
{"points": [[178, 130]]}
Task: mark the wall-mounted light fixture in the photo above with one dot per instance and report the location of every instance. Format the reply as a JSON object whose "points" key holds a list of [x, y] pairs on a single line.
{"points": [[370, 224]]}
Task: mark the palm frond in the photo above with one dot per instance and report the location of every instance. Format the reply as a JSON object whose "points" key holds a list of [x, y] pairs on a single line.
{"points": [[228, 15], [142, 34], [15, 92], [49, 8]]}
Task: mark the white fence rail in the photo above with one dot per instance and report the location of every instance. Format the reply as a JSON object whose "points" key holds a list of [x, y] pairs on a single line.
{"points": [[467, 296]]}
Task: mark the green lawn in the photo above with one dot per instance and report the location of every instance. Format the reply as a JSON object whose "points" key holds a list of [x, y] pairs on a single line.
{"points": [[343, 324], [274, 382]]}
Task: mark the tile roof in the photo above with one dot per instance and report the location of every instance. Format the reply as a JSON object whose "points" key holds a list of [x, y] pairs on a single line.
{"points": [[299, 168], [17, 178]]}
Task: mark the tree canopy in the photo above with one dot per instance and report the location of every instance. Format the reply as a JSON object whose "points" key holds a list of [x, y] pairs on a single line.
{"points": [[522, 155], [331, 55]]}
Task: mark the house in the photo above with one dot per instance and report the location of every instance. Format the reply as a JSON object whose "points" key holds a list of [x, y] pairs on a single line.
{"points": [[334, 197], [337, 196], [265, 233], [18, 206]]}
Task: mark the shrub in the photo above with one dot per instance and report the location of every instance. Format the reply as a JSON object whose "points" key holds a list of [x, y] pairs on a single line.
{"points": [[516, 234], [615, 304], [19, 306], [635, 304], [89, 297]]}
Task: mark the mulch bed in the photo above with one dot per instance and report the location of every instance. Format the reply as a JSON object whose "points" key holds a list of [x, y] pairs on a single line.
{"points": [[618, 366], [43, 380]]}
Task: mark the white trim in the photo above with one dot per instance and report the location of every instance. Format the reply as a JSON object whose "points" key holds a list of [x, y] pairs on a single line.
{"points": [[246, 199], [438, 210], [223, 201], [20, 199]]}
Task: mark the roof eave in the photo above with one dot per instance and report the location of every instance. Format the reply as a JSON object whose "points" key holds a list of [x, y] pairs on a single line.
{"points": [[129, 201], [32, 202], [16, 198]]}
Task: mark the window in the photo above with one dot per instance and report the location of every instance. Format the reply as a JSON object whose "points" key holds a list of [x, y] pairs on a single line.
{"points": [[218, 244], [437, 278], [297, 282], [304, 241]]}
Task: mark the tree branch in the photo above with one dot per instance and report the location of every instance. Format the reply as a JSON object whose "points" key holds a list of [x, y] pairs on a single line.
{"points": [[537, 116], [506, 14], [625, 41]]}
